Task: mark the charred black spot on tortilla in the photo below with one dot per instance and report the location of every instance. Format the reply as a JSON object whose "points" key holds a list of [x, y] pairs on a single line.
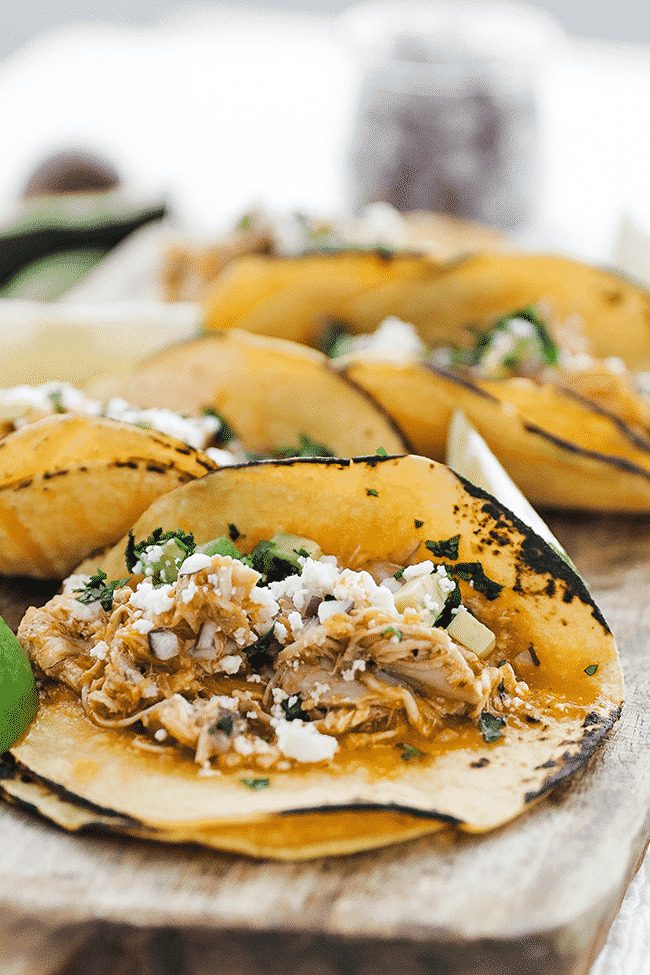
{"points": [[206, 465], [183, 450], [550, 587], [533, 656], [481, 763], [596, 727], [459, 380], [636, 438], [537, 555], [48, 475], [532, 720], [156, 469], [620, 462], [24, 484], [131, 464], [614, 297]]}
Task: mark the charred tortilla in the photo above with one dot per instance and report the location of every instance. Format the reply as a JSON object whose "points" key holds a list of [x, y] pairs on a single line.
{"points": [[71, 484], [474, 776]]}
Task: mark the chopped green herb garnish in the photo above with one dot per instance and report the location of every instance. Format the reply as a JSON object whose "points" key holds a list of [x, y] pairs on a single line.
{"points": [[453, 601], [256, 784], [490, 726], [399, 573], [392, 631], [591, 670], [184, 540], [56, 399], [245, 222], [225, 724], [473, 572], [292, 708], [372, 493], [418, 523], [536, 349], [257, 652], [225, 433], [381, 452], [98, 589], [233, 532], [306, 448], [335, 339], [446, 548], [409, 752]]}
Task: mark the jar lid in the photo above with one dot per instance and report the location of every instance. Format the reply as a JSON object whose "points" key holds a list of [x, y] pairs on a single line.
{"points": [[451, 31]]}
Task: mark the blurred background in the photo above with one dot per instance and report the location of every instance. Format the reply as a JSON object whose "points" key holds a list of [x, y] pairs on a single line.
{"points": [[529, 118]]}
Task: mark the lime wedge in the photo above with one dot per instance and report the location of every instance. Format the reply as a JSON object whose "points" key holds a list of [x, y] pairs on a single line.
{"points": [[469, 455], [18, 698]]}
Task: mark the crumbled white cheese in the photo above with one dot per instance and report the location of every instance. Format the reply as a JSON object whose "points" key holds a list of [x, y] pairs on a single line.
{"points": [[243, 745], [393, 341], [142, 626], [189, 592], [355, 666], [361, 589], [197, 431], [330, 608], [279, 695], [254, 679], [419, 569], [161, 734], [152, 599], [230, 664], [301, 741], [295, 622], [280, 632], [194, 563], [99, 651], [224, 458]]}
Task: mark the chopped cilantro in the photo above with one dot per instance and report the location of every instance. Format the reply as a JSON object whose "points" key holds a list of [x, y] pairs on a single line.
{"points": [[98, 589], [372, 493], [56, 399], [292, 708], [245, 222], [225, 724], [538, 347], [473, 572], [184, 540], [399, 573], [257, 652], [233, 532], [490, 726], [392, 631], [418, 523], [453, 601], [409, 752], [446, 548], [225, 433], [335, 339], [591, 670], [256, 784], [381, 452], [305, 448]]}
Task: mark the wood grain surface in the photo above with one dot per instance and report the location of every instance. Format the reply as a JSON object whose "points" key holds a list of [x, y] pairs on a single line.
{"points": [[535, 897]]}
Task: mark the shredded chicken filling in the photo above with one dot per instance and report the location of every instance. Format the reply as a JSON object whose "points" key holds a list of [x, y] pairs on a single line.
{"points": [[246, 673]]}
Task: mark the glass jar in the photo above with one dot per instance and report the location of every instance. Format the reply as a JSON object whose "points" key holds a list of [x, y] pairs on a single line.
{"points": [[447, 119]]}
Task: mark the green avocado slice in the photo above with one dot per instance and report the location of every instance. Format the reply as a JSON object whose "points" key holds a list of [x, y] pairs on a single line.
{"points": [[18, 697]]}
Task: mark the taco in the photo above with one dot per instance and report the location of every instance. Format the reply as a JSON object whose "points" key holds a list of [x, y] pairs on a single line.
{"points": [[189, 269], [275, 398], [314, 656], [572, 431], [292, 296], [67, 455]]}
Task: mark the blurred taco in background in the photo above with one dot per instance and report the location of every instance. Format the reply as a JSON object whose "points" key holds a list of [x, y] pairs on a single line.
{"points": [[189, 269], [276, 398], [67, 455], [445, 301], [571, 430], [300, 657]]}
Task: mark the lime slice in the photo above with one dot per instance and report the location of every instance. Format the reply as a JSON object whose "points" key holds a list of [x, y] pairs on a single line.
{"points": [[469, 455], [18, 698]]}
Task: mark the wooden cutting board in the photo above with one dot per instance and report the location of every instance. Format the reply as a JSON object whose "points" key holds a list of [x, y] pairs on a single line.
{"points": [[535, 897]]}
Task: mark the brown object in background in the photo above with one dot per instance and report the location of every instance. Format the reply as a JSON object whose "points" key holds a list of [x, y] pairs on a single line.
{"points": [[72, 171]]}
